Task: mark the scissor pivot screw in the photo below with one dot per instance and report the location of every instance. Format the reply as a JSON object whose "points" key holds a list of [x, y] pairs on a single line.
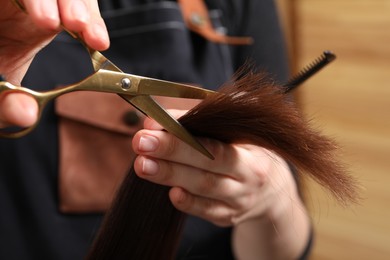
{"points": [[126, 83]]}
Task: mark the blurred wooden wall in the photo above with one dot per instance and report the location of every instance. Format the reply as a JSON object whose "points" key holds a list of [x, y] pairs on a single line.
{"points": [[349, 101]]}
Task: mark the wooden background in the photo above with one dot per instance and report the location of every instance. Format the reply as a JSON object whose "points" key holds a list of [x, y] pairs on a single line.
{"points": [[349, 101]]}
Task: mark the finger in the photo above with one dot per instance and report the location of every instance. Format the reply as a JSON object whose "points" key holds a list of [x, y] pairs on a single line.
{"points": [[96, 35], [83, 17], [162, 145], [212, 210], [17, 109], [75, 14], [196, 181], [45, 14]]}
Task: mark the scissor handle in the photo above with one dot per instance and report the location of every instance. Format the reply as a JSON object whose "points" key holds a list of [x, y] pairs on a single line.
{"points": [[100, 81], [41, 97]]}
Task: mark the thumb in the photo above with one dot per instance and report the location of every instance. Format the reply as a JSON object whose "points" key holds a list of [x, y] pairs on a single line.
{"points": [[17, 109]]}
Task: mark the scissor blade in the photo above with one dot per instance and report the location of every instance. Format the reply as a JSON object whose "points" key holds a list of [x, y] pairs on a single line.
{"points": [[99, 61], [156, 87], [151, 108]]}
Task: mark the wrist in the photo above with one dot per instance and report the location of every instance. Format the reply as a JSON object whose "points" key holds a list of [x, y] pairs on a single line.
{"points": [[285, 190], [283, 228], [289, 217]]}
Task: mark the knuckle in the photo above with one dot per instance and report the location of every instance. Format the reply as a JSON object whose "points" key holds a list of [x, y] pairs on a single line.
{"points": [[236, 220], [260, 178], [223, 220], [171, 146], [166, 174], [218, 214], [207, 183]]}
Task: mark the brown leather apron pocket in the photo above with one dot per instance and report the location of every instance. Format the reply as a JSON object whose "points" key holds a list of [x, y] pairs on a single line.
{"points": [[95, 131]]}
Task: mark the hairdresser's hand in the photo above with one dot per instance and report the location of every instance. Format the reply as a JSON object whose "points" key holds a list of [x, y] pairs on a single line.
{"points": [[246, 186], [243, 182], [22, 36]]}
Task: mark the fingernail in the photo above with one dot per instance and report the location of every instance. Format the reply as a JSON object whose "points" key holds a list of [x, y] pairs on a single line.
{"points": [[149, 167], [148, 143], [79, 11]]}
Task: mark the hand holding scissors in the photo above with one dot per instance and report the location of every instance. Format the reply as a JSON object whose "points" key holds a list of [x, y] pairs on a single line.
{"points": [[136, 90]]}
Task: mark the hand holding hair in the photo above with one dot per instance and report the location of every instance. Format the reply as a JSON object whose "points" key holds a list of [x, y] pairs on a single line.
{"points": [[249, 128]]}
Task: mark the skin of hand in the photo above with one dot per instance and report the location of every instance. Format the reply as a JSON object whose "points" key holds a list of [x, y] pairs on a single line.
{"points": [[246, 186], [35, 30]]}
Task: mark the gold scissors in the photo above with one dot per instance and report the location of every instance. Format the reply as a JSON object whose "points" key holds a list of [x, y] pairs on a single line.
{"points": [[136, 90]]}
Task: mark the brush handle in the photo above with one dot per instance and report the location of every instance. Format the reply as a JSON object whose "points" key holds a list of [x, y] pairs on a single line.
{"points": [[309, 71]]}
